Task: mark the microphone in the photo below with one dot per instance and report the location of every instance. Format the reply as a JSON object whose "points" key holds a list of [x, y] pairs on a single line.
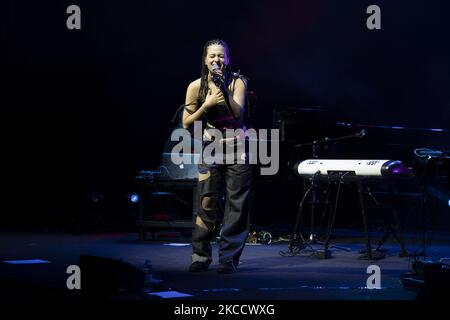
{"points": [[220, 83], [215, 67], [217, 79]]}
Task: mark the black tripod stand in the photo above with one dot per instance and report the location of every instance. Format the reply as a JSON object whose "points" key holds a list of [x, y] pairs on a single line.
{"points": [[294, 245], [298, 243], [392, 225]]}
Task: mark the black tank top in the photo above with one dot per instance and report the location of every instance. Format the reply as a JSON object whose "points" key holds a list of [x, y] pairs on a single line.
{"points": [[220, 118]]}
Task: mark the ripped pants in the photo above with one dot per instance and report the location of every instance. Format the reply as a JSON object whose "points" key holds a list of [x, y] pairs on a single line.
{"points": [[214, 179]]}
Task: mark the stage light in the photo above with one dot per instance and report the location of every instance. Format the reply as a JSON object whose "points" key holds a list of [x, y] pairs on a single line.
{"points": [[449, 202], [134, 198]]}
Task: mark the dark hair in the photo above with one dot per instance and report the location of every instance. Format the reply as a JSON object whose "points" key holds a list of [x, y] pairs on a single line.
{"points": [[204, 70]]}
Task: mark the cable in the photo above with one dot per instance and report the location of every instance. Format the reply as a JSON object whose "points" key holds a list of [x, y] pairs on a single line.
{"points": [[333, 217], [327, 191], [301, 217], [294, 249], [337, 201]]}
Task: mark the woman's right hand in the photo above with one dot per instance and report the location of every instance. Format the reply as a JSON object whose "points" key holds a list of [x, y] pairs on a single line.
{"points": [[214, 97]]}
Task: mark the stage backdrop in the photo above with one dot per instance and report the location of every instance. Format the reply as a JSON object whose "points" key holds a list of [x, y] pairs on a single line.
{"points": [[84, 110]]}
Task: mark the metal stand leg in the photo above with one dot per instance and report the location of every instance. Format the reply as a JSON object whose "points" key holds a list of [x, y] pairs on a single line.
{"points": [[294, 245], [312, 236], [297, 227], [368, 255], [399, 237], [330, 224], [326, 253], [394, 228]]}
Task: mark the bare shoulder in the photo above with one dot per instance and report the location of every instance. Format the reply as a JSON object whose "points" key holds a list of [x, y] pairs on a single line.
{"points": [[194, 85], [241, 81], [238, 86], [192, 93]]}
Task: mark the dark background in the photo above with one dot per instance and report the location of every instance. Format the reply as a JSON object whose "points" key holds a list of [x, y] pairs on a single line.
{"points": [[83, 111]]}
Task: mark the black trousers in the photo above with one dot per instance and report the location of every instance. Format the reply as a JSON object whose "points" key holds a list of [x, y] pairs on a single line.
{"points": [[215, 179]]}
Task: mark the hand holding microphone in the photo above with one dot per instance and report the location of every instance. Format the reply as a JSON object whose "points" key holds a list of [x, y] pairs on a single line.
{"points": [[217, 75], [220, 97]]}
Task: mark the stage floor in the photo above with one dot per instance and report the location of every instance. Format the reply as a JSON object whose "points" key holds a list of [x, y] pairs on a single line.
{"points": [[262, 275]]}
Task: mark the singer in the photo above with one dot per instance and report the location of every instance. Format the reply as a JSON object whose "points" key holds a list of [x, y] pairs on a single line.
{"points": [[218, 99]]}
